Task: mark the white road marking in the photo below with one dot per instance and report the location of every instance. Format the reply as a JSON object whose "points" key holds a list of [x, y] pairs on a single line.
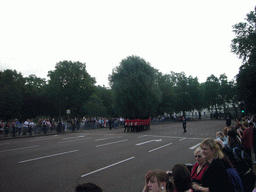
{"points": [[19, 148], [42, 139], [149, 141], [142, 136], [175, 137], [107, 166], [182, 139], [111, 143], [159, 147], [44, 157], [72, 137], [5, 144], [74, 140], [108, 138], [195, 146]]}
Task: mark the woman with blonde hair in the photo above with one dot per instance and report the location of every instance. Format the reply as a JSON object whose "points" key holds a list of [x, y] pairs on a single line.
{"points": [[199, 167], [215, 178]]}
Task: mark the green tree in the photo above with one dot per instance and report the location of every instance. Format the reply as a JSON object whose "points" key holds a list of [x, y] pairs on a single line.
{"points": [[182, 97], [70, 86], [95, 107], [106, 96], [136, 93], [35, 99], [196, 94], [12, 95], [167, 91], [244, 45], [211, 92]]}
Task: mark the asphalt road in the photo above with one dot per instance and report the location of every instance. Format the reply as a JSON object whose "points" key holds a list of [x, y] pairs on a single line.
{"points": [[114, 160]]}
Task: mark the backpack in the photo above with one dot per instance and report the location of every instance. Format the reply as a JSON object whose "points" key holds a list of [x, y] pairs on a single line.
{"points": [[235, 181]]}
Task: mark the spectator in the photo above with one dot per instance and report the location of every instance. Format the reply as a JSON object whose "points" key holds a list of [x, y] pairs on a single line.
{"points": [[247, 138], [239, 161], [88, 187], [7, 128], [239, 129], [25, 126], [223, 136], [44, 124], [13, 128], [215, 178], [30, 126], [199, 167], [1, 127], [254, 142], [18, 126], [181, 178], [156, 181]]}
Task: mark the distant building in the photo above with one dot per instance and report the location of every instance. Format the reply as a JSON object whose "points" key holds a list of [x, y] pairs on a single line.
{"points": [[211, 112]]}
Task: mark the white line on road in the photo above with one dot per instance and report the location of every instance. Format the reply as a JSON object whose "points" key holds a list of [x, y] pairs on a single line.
{"points": [[107, 166], [19, 148], [111, 143], [44, 157], [149, 142], [142, 136], [72, 137], [174, 137], [195, 146], [108, 138], [182, 139], [74, 140], [5, 144], [43, 139], [159, 147]]}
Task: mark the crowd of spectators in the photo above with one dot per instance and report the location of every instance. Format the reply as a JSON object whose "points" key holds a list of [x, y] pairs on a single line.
{"points": [[45, 125], [223, 164]]}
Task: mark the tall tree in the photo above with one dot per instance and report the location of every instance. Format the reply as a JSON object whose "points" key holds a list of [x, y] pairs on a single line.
{"points": [[167, 90], [196, 94], [244, 45], [70, 86], [134, 86], [35, 98], [12, 95], [211, 92], [182, 97], [106, 96]]}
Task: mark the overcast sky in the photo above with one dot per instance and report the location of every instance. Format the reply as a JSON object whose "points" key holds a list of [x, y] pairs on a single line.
{"points": [[190, 36]]}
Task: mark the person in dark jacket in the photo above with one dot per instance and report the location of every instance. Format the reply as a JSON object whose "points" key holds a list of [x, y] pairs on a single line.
{"points": [[184, 124], [110, 122], [215, 178], [241, 162]]}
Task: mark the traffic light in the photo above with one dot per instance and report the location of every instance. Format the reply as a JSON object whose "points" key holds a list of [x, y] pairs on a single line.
{"points": [[242, 107]]}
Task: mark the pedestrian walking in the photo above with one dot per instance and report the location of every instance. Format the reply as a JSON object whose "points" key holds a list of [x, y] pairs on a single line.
{"points": [[184, 124], [110, 123], [228, 121]]}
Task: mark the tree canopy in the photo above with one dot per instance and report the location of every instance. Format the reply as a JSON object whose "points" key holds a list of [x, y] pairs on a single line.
{"points": [[70, 85], [244, 45], [136, 93]]}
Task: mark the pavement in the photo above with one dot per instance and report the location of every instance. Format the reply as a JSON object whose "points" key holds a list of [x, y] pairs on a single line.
{"points": [[54, 132]]}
